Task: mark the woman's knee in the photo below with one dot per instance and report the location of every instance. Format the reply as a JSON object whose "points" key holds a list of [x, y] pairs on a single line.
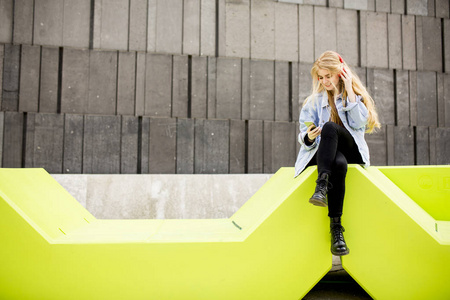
{"points": [[329, 128], [340, 164]]}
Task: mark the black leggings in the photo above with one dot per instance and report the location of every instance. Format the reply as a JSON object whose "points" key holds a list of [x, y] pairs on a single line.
{"points": [[337, 148]]}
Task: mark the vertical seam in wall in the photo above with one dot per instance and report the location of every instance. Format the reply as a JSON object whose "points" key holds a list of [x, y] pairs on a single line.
{"points": [[189, 103], [171, 85], [139, 147], [117, 82], [146, 28], [401, 42], [229, 145], [415, 144], [120, 143], [182, 27], [32, 25], [135, 83], [13, 22], [274, 90], [395, 97], [443, 45], [60, 73], [129, 25], [216, 54], [63, 143], [24, 139], [250, 29], [241, 86], [39, 79], [246, 147], [207, 87], [200, 30], [313, 32], [91, 25], [358, 42], [406, 7], [290, 98], [82, 144]]}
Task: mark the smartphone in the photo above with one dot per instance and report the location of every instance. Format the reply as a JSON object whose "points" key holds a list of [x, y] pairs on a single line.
{"points": [[309, 123]]}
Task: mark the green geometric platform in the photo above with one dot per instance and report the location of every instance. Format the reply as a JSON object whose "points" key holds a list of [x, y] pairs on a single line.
{"points": [[275, 247]]}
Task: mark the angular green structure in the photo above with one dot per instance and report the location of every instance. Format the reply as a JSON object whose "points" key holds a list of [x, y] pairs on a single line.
{"points": [[52, 248]]}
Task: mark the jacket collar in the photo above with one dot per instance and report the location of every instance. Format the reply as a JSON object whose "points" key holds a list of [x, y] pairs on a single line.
{"points": [[325, 99]]}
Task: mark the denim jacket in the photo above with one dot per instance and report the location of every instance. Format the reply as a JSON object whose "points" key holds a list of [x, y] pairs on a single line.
{"points": [[353, 115]]}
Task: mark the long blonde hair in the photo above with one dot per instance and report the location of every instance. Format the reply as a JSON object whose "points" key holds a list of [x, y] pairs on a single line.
{"points": [[332, 62]]}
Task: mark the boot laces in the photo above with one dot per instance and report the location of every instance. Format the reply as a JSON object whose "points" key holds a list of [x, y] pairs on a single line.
{"points": [[322, 184], [337, 231]]}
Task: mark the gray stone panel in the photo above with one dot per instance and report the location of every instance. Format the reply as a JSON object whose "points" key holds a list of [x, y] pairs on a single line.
{"points": [[286, 32], [442, 9], [44, 142], [102, 82], [77, 18], [73, 144], [48, 91], [398, 7], [169, 26], [432, 144], [426, 99], [281, 91], [180, 97], [347, 36], [138, 25], [228, 92], [377, 147], [191, 27], [262, 30], [185, 146], [362, 74], [402, 82], [381, 87], [442, 146], [429, 44], [283, 145], [262, 90], [145, 145], [441, 99], [23, 22], [48, 22], [336, 3], [2, 122], [237, 146], [29, 78], [375, 40], [162, 146], [101, 145], [413, 97], [295, 108], [237, 29], [255, 146], [267, 146], [409, 42], [305, 82], [199, 84], [6, 21], [446, 42], [245, 95], [113, 24], [158, 85], [404, 145], [390, 145], [212, 83], [306, 33], [140, 83], [207, 28], [212, 139], [13, 140], [395, 41], [126, 83], [417, 7], [355, 4], [383, 5], [422, 146], [447, 99], [11, 64], [431, 8], [222, 42], [151, 25], [75, 81], [325, 33], [129, 145], [2, 56]]}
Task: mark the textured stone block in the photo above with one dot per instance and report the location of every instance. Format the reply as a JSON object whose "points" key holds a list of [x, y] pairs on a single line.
{"points": [[191, 27], [383, 5], [23, 22], [169, 26], [75, 81], [377, 147], [381, 87], [413, 97], [180, 97], [422, 146], [355, 4], [101, 145], [129, 147], [138, 25], [207, 28], [158, 85], [199, 87], [294, 100], [426, 99], [151, 25], [262, 30], [283, 144], [11, 65], [255, 146], [336, 3], [306, 33], [442, 146], [221, 39], [347, 35], [185, 146], [374, 40], [48, 91], [2, 125], [267, 146], [398, 7], [325, 33], [29, 78], [44, 142], [282, 91], [111, 24], [402, 89], [403, 145], [13, 138], [77, 18], [429, 44], [442, 9], [228, 89], [73, 144], [409, 42], [446, 42], [2, 56], [286, 32], [417, 7], [395, 41], [237, 146], [126, 83], [48, 22], [447, 99], [440, 99], [162, 146], [212, 83], [212, 138], [6, 21], [102, 82], [304, 78], [261, 90], [143, 167], [140, 83]]}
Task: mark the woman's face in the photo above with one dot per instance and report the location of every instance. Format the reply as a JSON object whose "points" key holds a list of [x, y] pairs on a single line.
{"points": [[327, 79]]}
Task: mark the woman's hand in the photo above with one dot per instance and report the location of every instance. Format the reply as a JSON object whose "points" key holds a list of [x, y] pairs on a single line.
{"points": [[313, 132], [347, 78]]}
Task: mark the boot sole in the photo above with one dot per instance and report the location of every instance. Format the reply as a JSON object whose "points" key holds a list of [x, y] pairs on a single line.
{"points": [[341, 253], [318, 202]]}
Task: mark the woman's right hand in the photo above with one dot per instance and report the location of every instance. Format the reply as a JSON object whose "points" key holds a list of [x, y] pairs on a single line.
{"points": [[313, 132]]}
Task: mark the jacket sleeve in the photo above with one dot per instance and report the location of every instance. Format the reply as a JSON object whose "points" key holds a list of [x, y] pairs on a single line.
{"points": [[308, 113], [357, 113]]}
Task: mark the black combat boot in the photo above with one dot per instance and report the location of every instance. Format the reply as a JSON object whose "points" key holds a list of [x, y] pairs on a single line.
{"points": [[320, 195], [338, 245]]}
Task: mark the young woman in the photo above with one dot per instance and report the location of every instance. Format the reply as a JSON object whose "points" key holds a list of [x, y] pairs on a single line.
{"points": [[333, 121]]}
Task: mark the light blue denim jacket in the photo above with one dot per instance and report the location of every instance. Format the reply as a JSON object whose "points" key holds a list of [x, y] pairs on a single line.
{"points": [[354, 117]]}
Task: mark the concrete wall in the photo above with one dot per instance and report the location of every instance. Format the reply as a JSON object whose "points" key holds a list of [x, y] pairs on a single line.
{"points": [[196, 86]]}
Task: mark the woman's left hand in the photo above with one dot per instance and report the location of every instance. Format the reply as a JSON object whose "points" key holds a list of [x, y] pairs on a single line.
{"points": [[347, 79]]}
